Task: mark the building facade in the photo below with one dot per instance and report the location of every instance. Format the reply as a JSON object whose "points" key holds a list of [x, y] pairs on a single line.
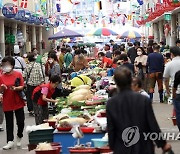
{"points": [[24, 22], [161, 20]]}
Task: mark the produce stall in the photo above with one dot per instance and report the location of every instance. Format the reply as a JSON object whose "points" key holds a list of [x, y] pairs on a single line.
{"points": [[83, 108], [66, 139], [86, 109]]}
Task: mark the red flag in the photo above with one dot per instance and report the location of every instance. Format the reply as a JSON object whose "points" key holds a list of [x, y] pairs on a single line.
{"points": [[15, 9], [14, 0], [24, 3]]}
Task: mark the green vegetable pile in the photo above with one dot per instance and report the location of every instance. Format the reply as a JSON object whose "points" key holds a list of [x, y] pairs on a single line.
{"points": [[75, 113]]}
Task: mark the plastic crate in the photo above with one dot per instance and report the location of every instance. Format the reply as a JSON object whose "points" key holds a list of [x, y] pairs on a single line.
{"points": [[40, 136]]}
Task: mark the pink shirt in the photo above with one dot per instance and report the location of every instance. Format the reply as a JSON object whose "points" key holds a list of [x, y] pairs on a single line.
{"points": [[44, 91]]}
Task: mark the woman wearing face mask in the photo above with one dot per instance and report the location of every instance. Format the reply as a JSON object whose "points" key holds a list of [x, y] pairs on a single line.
{"points": [[140, 65], [12, 102], [55, 70]]}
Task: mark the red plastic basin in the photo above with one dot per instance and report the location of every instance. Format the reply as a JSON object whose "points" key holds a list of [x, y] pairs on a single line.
{"points": [[51, 123], [64, 128], [83, 150], [87, 129], [53, 151], [105, 149]]}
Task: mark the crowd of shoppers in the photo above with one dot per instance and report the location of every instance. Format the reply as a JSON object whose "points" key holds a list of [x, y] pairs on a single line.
{"points": [[136, 68]]}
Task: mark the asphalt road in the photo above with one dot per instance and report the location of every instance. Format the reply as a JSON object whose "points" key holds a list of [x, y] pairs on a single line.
{"points": [[162, 112]]}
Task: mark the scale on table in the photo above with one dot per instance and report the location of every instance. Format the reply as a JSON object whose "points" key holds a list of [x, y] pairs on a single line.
{"points": [[77, 133]]}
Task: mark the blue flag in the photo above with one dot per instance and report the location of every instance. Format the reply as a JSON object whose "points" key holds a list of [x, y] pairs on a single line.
{"points": [[140, 2]]}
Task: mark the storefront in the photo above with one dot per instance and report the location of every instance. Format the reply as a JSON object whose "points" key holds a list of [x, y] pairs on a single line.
{"points": [[162, 21], [20, 26]]}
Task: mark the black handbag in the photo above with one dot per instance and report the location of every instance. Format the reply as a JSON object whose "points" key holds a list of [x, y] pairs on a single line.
{"points": [[20, 93]]}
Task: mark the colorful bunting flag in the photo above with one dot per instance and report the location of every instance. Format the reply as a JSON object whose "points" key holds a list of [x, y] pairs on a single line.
{"points": [[74, 2], [15, 9], [43, 6], [24, 3], [1, 3], [58, 5], [140, 2]]}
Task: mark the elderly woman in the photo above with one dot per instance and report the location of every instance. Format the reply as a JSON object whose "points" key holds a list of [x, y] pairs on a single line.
{"points": [[11, 85]]}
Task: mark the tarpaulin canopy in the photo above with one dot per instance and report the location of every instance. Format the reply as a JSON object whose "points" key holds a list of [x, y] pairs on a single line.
{"points": [[65, 33]]}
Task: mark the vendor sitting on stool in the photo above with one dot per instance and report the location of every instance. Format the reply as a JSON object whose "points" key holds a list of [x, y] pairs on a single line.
{"points": [[82, 80]]}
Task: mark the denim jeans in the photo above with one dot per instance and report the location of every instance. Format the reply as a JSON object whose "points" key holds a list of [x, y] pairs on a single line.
{"points": [[176, 102]]}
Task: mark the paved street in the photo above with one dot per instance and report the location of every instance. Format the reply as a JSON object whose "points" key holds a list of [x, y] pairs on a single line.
{"points": [[162, 111]]}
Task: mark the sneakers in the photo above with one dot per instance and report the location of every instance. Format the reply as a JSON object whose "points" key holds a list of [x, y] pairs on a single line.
{"points": [[9, 145], [18, 142], [1, 129]]}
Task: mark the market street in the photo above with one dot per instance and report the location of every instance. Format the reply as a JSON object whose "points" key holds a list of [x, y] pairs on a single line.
{"points": [[89, 76], [162, 112]]}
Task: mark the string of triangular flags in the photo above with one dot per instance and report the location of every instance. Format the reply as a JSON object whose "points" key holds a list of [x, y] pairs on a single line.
{"points": [[23, 3]]}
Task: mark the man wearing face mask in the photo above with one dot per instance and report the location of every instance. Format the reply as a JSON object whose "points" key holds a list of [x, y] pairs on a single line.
{"points": [[12, 101]]}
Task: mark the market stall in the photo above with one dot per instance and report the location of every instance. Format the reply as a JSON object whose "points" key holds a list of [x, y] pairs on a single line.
{"points": [[66, 139], [80, 123]]}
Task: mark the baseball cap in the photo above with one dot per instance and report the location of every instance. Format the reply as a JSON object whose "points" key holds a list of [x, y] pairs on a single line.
{"points": [[16, 49]]}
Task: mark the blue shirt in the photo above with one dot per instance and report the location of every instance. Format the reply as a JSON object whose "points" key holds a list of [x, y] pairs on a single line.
{"points": [[155, 62]]}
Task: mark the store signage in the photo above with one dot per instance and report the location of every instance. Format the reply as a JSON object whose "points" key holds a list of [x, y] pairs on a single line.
{"points": [[9, 10], [167, 16], [10, 38], [35, 19], [39, 20], [32, 19], [23, 15]]}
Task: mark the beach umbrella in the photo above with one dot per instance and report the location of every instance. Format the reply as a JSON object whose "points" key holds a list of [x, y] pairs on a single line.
{"points": [[103, 31], [129, 34]]}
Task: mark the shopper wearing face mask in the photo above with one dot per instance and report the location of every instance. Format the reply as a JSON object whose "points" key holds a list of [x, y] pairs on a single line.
{"points": [[12, 102], [55, 70], [140, 66]]}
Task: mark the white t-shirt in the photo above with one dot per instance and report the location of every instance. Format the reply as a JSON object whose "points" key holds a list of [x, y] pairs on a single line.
{"points": [[170, 70], [20, 64]]}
